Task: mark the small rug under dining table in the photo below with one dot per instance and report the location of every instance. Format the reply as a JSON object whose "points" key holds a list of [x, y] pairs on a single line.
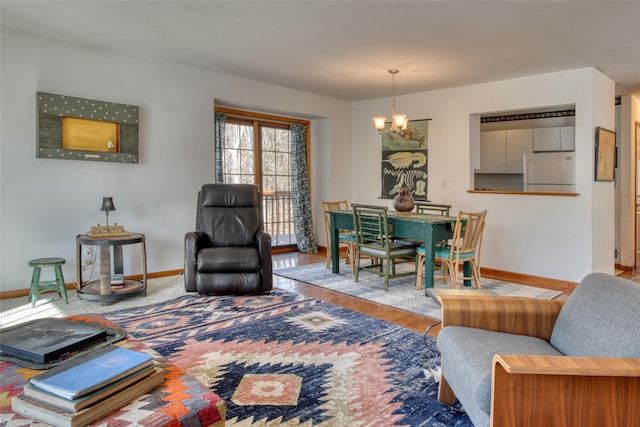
{"points": [[402, 292]]}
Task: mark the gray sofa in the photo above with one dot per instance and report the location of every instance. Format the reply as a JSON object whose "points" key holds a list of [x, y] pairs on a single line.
{"points": [[520, 362]]}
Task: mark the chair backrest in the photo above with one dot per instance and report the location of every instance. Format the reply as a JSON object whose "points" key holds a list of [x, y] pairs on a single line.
{"points": [[467, 233], [433, 208], [601, 318], [229, 214], [339, 205], [371, 226]]}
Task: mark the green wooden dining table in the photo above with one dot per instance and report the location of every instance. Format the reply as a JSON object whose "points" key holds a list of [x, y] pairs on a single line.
{"points": [[425, 227]]}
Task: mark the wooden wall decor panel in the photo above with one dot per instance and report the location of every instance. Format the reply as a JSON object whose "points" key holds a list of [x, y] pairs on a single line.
{"points": [[52, 109]]}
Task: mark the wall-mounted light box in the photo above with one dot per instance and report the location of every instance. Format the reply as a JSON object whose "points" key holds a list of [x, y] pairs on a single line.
{"points": [[85, 129]]}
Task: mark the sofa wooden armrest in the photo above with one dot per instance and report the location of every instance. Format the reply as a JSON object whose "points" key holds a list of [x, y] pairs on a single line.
{"points": [[532, 391], [514, 315]]}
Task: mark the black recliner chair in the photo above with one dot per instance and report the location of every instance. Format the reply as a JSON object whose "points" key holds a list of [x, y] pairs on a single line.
{"points": [[229, 253]]}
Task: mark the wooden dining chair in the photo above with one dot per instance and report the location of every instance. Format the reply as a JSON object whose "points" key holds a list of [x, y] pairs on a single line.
{"points": [[464, 247], [432, 208], [346, 239], [374, 240]]}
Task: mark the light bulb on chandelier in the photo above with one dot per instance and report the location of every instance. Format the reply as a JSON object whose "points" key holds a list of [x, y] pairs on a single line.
{"points": [[398, 121]]}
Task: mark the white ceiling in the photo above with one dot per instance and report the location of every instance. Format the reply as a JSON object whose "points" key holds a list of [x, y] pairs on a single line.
{"points": [[343, 49]]}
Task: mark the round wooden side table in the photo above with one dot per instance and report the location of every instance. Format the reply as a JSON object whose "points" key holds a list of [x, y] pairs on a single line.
{"points": [[102, 289]]}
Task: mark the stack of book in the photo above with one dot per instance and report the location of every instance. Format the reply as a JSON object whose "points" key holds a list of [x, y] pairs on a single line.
{"points": [[117, 281], [85, 389]]}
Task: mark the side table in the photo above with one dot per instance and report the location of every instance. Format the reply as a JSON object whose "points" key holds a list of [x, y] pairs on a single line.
{"points": [[100, 290]]}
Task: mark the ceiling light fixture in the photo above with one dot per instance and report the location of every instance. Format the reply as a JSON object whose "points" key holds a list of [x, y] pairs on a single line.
{"points": [[398, 121]]}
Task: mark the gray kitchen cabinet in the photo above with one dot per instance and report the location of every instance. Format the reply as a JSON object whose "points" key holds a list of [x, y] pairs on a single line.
{"points": [[493, 151], [501, 151], [558, 138], [519, 142]]}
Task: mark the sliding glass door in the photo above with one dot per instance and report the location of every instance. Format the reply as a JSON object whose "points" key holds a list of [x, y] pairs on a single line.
{"points": [[258, 152]]}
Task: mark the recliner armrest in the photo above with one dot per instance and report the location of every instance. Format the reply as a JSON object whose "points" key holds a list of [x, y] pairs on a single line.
{"points": [[514, 315], [191, 246], [530, 390], [263, 240]]}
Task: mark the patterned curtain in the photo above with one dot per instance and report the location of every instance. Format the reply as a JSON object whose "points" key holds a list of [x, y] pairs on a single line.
{"points": [[220, 121], [302, 219]]}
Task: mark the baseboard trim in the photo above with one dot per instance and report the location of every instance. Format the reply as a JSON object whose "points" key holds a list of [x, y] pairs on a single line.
{"points": [[489, 273], [624, 267], [526, 279], [72, 286]]}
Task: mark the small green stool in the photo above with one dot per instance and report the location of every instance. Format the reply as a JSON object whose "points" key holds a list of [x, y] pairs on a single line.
{"points": [[38, 287]]}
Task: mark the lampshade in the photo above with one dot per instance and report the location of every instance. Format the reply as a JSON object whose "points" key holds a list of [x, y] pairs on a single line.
{"points": [[107, 204], [379, 123], [400, 120]]}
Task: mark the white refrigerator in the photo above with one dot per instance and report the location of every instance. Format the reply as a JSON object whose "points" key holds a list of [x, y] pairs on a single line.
{"points": [[550, 172]]}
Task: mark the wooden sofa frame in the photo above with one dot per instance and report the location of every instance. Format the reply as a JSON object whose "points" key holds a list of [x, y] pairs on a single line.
{"points": [[529, 391]]}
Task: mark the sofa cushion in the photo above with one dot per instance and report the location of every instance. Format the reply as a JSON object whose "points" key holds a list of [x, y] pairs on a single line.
{"points": [[469, 357], [601, 318]]}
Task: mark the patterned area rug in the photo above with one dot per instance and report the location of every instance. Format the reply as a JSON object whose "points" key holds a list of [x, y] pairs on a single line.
{"points": [[402, 293], [283, 359]]}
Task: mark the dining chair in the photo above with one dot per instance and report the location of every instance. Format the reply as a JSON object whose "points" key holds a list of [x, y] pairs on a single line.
{"points": [[432, 208], [463, 247], [374, 240], [345, 238]]}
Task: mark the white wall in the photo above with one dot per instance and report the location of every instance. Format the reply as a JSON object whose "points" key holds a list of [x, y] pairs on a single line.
{"points": [[557, 237], [45, 203], [629, 114], [603, 192]]}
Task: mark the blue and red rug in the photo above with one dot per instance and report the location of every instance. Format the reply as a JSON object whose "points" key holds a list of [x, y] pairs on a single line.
{"points": [[283, 359]]}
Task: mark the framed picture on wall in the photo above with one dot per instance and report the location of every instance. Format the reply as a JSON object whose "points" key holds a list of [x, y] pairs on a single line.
{"points": [[605, 154], [404, 160], [638, 164]]}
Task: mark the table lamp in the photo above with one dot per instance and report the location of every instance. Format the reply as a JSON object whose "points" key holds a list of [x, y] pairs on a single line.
{"points": [[107, 230], [107, 206]]}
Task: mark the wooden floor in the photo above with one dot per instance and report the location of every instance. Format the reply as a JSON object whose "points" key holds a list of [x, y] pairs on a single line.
{"points": [[400, 317], [404, 318]]}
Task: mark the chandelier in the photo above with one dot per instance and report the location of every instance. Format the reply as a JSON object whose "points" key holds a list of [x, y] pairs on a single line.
{"points": [[398, 121]]}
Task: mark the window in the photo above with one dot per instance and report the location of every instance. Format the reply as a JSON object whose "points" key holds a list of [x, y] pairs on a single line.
{"points": [[257, 151], [238, 156]]}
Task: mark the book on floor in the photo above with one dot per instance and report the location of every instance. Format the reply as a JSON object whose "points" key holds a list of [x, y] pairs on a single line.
{"points": [[87, 373], [95, 397], [44, 340], [50, 414]]}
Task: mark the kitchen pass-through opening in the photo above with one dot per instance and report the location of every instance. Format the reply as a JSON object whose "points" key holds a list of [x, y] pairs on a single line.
{"points": [[524, 151]]}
